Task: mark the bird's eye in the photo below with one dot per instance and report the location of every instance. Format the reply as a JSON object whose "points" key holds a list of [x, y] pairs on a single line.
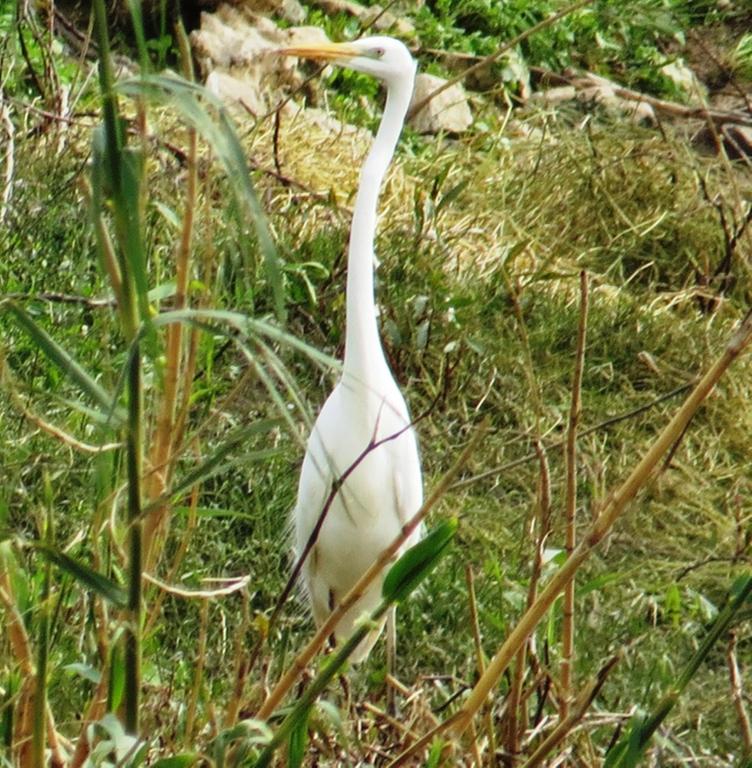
{"points": [[378, 53]]}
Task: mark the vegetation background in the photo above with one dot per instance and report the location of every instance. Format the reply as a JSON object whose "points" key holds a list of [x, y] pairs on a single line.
{"points": [[169, 321]]}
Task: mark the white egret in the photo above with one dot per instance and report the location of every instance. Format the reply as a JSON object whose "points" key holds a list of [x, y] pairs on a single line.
{"points": [[383, 488]]}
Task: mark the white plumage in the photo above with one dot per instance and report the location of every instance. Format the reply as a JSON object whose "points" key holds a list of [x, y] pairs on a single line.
{"points": [[385, 488]]}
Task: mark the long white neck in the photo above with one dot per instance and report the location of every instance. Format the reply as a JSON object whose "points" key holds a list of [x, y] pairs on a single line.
{"points": [[364, 356]]}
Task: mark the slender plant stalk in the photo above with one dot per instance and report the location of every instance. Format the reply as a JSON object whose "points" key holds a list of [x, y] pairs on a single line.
{"points": [[135, 565], [480, 662], [629, 750], [737, 696], [477, 756], [164, 445], [570, 456], [21, 648], [97, 708], [516, 703], [609, 422], [613, 509], [515, 721], [576, 712], [126, 215], [242, 667], [198, 674], [182, 549], [302, 660], [43, 642]]}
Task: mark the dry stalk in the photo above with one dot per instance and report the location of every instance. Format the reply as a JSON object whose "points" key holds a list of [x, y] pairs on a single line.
{"points": [[737, 695], [10, 157], [516, 708], [156, 604], [609, 422], [59, 434], [574, 714], [241, 664], [302, 660], [570, 455], [189, 369], [163, 441], [96, 710], [480, 663], [21, 648], [613, 509], [198, 676], [106, 249], [477, 756]]}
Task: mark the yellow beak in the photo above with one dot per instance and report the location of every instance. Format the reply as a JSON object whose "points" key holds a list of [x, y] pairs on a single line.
{"points": [[322, 51]]}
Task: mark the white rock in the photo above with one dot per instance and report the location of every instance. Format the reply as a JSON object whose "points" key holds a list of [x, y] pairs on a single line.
{"points": [[375, 15], [290, 10], [449, 111], [737, 140], [554, 96], [685, 80], [232, 90], [235, 48]]}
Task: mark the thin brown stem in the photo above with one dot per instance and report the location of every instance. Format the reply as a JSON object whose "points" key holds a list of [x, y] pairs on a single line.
{"points": [[516, 708], [164, 440], [242, 666], [198, 675], [570, 455], [480, 662], [737, 695], [574, 714], [609, 422]]}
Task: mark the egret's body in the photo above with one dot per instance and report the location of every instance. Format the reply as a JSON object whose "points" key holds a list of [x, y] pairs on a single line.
{"points": [[383, 487]]}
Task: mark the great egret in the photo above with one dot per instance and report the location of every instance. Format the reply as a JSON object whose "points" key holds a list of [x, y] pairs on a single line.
{"points": [[383, 488]]}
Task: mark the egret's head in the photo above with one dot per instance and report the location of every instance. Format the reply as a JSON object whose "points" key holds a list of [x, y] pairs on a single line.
{"points": [[382, 57]]}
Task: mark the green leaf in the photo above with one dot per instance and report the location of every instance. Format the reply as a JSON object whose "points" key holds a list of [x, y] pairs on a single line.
{"points": [[248, 326], [629, 750], [434, 756], [415, 564], [65, 362], [86, 671], [107, 588], [177, 761], [191, 101], [229, 453], [297, 744], [117, 678]]}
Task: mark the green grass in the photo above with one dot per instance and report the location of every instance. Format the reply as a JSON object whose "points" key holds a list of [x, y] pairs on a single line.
{"points": [[470, 228]]}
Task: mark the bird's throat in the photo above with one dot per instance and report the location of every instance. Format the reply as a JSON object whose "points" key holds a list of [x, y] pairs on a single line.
{"points": [[364, 356]]}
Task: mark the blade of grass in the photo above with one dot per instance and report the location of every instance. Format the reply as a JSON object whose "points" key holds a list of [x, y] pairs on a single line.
{"points": [[65, 362], [43, 642], [570, 455], [89, 578], [188, 99]]}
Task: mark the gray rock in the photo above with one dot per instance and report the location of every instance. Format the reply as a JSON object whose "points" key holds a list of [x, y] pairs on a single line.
{"points": [[449, 111]]}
